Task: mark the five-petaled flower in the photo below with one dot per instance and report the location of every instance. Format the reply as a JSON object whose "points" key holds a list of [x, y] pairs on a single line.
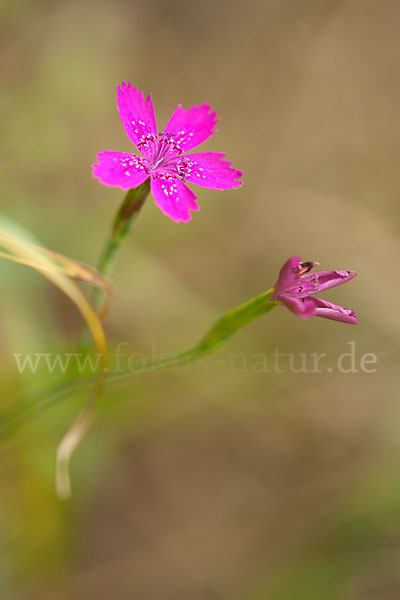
{"points": [[163, 155], [296, 285]]}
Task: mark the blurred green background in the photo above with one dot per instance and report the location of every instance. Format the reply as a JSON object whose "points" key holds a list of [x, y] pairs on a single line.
{"points": [[217, 482]]}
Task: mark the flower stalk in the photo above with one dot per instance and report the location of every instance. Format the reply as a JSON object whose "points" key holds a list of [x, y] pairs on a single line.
{"points": [[127, 213], [219, 333], [124, 219]]}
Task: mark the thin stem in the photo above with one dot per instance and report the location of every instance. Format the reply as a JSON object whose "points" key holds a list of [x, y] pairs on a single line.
{"points": [[225, 327], [127, 213]]}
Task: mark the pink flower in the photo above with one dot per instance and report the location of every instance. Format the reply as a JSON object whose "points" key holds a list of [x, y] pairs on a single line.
{"points": [[296, 285], [163, 155]]}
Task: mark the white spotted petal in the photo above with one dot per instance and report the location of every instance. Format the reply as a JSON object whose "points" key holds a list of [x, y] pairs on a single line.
{"points": [[174, 198]]}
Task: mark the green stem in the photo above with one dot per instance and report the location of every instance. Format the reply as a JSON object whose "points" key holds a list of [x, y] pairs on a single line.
{"points": [[124, 219], [127, 213], [225, 327], [237, 318]]}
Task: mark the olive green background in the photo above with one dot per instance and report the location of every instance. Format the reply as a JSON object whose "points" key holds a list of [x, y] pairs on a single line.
{"points": [[219, 481]]}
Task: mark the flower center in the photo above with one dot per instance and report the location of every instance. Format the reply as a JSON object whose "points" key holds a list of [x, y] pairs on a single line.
{"points": [[305, 267], [162, 153], [308, 284]]}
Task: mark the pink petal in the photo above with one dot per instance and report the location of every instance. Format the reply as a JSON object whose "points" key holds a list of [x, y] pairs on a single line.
{"points": [[327, 279], [312, 283], [316, 307], [208, 170], [191, 127], [137, 115], [288, 274], [303, 308], [328, 310], [174, 198], [119, 169]]}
